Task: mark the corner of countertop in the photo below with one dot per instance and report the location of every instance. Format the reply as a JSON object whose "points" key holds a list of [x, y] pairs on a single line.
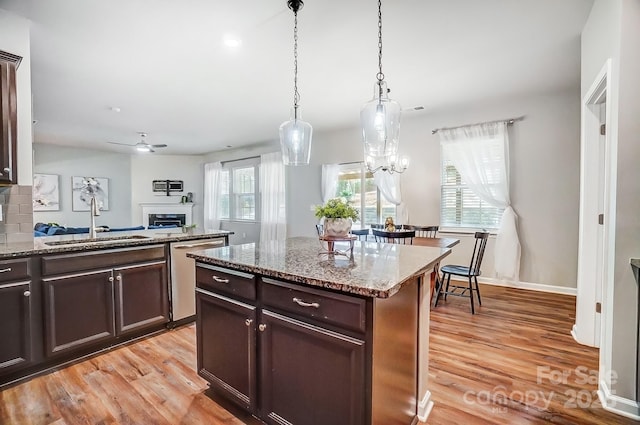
{"points": [[635, 262]]}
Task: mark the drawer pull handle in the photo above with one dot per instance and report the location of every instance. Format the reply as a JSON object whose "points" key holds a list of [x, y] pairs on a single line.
{"points": [[219, 280], [119, 277], [262, 327], [305, 304], [248, 322], [110, 278], [8, 269], [7, 170], [27, 293]]}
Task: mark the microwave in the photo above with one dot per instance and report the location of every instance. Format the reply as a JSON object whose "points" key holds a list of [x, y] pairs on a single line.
{"points": [[167, 186]]}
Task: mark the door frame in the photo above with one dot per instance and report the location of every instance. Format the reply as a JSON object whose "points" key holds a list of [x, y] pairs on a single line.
{"points": [[595, 247]]}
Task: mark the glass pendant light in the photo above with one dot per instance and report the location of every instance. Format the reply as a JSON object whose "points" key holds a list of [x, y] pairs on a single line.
{"points": [[380, 121], [295, 134]]}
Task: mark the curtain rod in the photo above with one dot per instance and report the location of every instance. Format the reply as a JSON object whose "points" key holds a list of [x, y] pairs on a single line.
{"points": [[508, 121], [239, 159]]}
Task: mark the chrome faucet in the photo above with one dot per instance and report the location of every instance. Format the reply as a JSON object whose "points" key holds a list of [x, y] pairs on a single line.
{"points": [[94, 211]]}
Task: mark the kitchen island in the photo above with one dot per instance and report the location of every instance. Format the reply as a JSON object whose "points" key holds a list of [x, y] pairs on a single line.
{"points": [[295, 335]]}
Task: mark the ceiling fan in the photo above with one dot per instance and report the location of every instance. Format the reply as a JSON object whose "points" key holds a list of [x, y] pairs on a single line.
{"points": [[142, 145]]}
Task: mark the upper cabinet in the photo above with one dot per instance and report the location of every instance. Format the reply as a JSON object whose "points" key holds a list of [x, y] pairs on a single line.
{"points": [[9, 117]]}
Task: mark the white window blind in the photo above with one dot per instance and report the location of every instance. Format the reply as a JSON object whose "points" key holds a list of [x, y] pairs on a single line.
{"points": [[460, 207]]}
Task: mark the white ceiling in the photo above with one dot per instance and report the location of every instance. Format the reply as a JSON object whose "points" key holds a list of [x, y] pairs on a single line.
{"points": [[163, 63]]}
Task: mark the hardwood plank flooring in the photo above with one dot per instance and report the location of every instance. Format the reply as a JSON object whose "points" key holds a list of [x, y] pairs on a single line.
{"points": [[504, 365]]}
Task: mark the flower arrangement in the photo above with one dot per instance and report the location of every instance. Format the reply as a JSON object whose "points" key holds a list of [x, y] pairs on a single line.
{"points": [[336, 208]]}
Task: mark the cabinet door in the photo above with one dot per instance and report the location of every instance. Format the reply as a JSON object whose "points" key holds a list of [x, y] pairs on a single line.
{"points": [[309, 375], [142, 298], [78, 310], [15, 325], [226, 340], [8, 128]]}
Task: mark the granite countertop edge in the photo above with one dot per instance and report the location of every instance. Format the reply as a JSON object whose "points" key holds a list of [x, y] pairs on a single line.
{"points": [[38, 247], [316, 282]]}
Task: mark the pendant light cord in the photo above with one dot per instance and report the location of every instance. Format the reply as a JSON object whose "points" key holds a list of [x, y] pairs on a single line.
{"points": [[380, 75], [296, 95]]}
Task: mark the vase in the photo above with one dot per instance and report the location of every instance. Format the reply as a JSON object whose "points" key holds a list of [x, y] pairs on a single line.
{"points": [[337, 227]]}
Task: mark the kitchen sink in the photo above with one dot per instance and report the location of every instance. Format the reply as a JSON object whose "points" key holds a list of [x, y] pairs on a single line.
{"points": [[129, 238]]}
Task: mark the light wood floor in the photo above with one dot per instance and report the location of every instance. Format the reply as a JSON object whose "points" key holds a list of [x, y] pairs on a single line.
{"points": [[483, 370]]}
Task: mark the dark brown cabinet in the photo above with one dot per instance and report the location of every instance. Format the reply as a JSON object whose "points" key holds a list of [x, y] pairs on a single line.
{"points": [[309, 375], [15, 325], [94, 307], [79, 310], [286, 353], [141, 297], [227, 354], [8, 117], [17, 330]]}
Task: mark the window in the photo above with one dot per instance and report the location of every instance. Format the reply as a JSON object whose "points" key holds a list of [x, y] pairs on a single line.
{"points": [[238, 191], [356, 185], [460, 207]]}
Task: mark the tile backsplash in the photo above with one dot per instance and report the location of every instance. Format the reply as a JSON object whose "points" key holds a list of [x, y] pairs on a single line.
{"points": [[17, 214]]}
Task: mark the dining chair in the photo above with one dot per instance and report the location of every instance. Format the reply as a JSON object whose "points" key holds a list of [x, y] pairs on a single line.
{"points": [[320, 229], [404, 237], [471, 273], [424, 231], [360, 232], [377, 226]]}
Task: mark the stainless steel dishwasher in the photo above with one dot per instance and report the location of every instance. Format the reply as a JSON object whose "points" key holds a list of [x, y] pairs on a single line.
{"points": [[183, 277]]}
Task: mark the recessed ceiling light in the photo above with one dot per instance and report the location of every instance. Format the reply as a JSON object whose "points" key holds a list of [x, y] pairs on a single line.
{"points": [[231, 41], [229, 146]]}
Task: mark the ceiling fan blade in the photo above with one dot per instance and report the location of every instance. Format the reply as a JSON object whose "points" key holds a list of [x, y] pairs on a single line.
{"points": [[122, 144], [159, 146]]}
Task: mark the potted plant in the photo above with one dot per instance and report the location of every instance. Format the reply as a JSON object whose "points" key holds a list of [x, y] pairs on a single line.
{"points": [[338, 216]]}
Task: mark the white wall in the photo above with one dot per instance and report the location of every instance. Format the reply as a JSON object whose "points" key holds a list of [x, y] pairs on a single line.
{"points": [[146, 168], [14, 38], [545, 150], [67, 162], [612, 31]]}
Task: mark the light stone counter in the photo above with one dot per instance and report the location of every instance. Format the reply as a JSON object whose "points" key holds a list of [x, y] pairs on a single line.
{"points": [[375, 269]]}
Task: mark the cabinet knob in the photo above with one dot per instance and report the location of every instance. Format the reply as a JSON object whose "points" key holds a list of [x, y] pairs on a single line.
{"points": [[119, 277], [110, 278], [248, 322], [27, 293], [7, 170], [262, 327]]}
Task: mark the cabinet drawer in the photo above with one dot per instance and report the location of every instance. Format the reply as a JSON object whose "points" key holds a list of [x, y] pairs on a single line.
{"points": [[226, 281], [75, 262], [14, 270], [336, 309]]}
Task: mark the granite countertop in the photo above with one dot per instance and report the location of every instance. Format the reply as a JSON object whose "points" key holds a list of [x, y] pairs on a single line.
{"points": [[81, 242], [375, 269]]}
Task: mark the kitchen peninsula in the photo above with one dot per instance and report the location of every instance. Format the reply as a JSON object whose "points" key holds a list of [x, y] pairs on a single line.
{"points": [[64, 297], [295, 335]]}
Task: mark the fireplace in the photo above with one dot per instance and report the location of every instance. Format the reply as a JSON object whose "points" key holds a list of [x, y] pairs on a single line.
{"points": [[167, 219], [167, 214]]}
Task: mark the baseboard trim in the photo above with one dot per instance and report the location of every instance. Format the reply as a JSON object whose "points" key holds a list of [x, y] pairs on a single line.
{"points": [[616, 404], [425, 406], [540, 287]]}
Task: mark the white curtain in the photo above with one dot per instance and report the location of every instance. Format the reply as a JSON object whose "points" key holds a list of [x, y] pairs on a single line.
{"points": [[480, 153], [212, 195], [389, 185], [330, 174], [273, 215]]}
